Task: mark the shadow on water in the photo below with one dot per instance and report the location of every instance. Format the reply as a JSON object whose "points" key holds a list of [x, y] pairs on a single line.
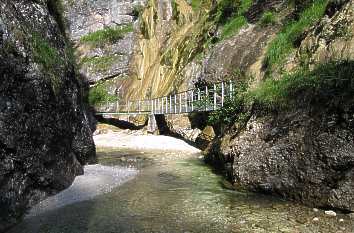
{"points": [[176, 192]]}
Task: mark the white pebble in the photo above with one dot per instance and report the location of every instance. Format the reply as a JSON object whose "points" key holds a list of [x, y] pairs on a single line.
{"points": [[341, 220], [331, 213], [315, 210], [315, 219]]}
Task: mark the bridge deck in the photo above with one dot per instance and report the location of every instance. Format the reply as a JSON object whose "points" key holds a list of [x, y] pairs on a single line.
{"points": [[207, 98]]}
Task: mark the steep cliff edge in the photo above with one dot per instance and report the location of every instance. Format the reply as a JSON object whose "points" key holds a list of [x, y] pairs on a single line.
{"points": [[45, 136]]}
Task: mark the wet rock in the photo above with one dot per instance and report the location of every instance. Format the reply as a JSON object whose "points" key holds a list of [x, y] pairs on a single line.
{"points": [[45, 135]]}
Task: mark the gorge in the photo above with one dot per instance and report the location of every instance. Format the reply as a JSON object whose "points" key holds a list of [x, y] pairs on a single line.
{"points": [[286, 130]]}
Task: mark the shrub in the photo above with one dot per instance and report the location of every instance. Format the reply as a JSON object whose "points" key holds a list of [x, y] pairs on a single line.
{"points": [[137, 11], [268, 18], [283, 44], [107, 35], [99, 63], [328, 85], [99, 95], [230, 14], [233, 26], [49, 58]]}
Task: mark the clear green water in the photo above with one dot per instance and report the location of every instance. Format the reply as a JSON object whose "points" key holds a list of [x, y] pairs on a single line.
{"points": [[176, 192]]}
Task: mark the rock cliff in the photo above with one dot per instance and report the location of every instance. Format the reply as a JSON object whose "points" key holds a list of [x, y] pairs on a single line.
{"points": [[45, 136]]}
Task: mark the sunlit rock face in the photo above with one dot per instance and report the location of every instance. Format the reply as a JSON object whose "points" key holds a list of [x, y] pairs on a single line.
{"points": [[45, 136], [103, 59]]}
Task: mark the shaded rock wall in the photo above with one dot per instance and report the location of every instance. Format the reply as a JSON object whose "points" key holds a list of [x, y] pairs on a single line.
{"points": [[45, 136]]}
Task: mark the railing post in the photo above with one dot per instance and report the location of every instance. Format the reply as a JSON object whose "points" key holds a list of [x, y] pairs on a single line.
{"points": [[128, 106], [162, 105], [180, 102], [206, 98], [222, 94], [166, 98], [159, 105], [231, 94], [175, 104], [192, 100], [214, 97], [152, 106], [170, 104], [186, 96]]}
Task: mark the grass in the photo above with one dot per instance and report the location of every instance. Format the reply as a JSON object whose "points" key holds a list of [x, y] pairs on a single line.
{"points": [[283, 44], [99, 95], [330, 84], [48, 57], [106, 35], [233, 26], [99, 64], [230, 15], [268, 18], [195, 4]]}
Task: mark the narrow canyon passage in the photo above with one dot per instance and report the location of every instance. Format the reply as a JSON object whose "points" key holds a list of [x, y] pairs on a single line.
{"points": [[173, 192]]}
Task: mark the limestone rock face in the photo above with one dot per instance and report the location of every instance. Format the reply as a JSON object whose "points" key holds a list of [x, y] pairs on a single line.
{"points": [[304, 155], [111, 58], [45, 135], [331, 39]]}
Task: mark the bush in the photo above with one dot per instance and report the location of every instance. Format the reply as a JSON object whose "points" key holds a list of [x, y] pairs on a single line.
{"points": [[99, 95], [233, 26], [100, 64], [137, 11], [268, 18], [107, 35], [230, 14], [283, 44], [328, 85]]}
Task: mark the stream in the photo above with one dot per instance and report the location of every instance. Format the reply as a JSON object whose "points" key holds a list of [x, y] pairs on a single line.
{"points": [[167, 192]]}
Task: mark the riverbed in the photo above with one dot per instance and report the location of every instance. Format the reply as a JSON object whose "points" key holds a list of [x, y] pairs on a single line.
{"points": [[168, 189]]}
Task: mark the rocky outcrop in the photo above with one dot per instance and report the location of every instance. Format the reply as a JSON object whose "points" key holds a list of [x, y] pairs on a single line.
{"points": [[45, 136], [332, 39], [304, 155], [103, 59]]}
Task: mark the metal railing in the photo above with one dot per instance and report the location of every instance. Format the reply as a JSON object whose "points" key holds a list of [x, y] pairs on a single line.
{"points": [[207, 98]]}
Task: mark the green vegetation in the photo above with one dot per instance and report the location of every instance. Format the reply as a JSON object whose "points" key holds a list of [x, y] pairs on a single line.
{"points": [[99, 95], [48, 57], [195, 4], [100, 64], [283, 44], [137, 11], [268, 18], [328, 85], [230, 16], [106, 35], [233, 26]]}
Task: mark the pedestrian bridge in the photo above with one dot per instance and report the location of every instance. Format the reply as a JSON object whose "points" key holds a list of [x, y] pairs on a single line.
{"points": [[202, 99]]}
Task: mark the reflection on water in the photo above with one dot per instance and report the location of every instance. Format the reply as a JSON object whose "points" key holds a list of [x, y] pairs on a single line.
{"points": [[175, 192]]}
